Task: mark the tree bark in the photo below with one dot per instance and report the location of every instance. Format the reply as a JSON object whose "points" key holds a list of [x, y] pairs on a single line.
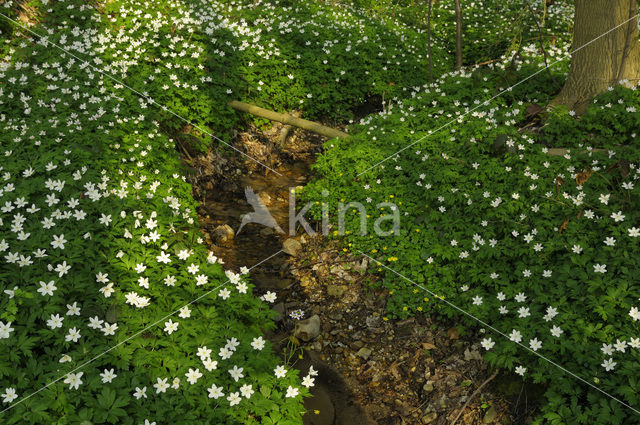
{"points": [[610, 59], [458, 35]]}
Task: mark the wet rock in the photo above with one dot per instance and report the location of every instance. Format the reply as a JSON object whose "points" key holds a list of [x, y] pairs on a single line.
{"points": [[472, 355], [364, 352], [357, 345], [223, 233], [429, 418], [291, 247], [308, 329], [336, 290], [443, 402]]}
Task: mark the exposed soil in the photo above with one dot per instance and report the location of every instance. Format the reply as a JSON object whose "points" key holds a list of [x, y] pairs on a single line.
{"points": [[372, 370]]}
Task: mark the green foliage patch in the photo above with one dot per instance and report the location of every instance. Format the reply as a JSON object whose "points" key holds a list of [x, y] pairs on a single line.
{"points": [[542, 247]]}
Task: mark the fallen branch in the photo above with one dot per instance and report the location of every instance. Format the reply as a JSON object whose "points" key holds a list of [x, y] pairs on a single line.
{"points": [[489, 379], [288, 119], [286, 130]]}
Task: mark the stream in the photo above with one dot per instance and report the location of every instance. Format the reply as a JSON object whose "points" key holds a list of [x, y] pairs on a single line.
{"points": [[332, 402]]}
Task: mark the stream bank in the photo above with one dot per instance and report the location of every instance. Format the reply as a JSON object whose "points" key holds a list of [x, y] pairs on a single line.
{"points": [[372, 370]]}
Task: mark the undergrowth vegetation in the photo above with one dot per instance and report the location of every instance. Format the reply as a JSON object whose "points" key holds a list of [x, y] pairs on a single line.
{"points": [[541, 244], [285, 56], [112, 309]]}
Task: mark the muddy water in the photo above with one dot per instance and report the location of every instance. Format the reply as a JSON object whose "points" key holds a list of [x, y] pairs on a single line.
{"points": [[332, 403]]}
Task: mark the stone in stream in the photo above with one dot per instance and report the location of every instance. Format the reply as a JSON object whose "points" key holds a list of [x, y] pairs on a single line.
{"points": [[291, 247], [364, 352], [429, 418], [428, 387], [308, 329], [223, 233]]}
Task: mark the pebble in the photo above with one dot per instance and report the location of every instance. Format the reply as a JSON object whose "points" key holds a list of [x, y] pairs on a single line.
{"points": [[429, 418], [292, 247], [373, 322], [364, 352]]}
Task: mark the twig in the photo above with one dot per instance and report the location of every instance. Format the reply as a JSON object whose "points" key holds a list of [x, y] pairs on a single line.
{"points": [[489, 379], [485, 62]]}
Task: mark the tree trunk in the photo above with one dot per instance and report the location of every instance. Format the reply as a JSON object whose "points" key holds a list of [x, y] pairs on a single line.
{"points": [[429, 41], [601, 60], [458, 35]]}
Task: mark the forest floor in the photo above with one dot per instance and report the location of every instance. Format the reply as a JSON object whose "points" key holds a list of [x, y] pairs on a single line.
{"points": [[421, 370]]}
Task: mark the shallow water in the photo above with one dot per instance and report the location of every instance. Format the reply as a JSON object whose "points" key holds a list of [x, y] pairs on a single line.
{"points": [[332, 403], [255, 242]]}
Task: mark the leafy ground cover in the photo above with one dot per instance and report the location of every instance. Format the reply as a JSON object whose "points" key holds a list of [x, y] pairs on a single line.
{"points": [[99, 242], [99, 246], [489, 28], [543, 248], [282, 55]]}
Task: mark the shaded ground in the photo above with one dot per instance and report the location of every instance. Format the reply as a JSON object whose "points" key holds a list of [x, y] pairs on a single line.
{"points": [[372, 370]]}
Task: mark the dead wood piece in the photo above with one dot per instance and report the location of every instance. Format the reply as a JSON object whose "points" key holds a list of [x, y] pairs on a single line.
{"points": [[489, 379], [288, 119]]}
